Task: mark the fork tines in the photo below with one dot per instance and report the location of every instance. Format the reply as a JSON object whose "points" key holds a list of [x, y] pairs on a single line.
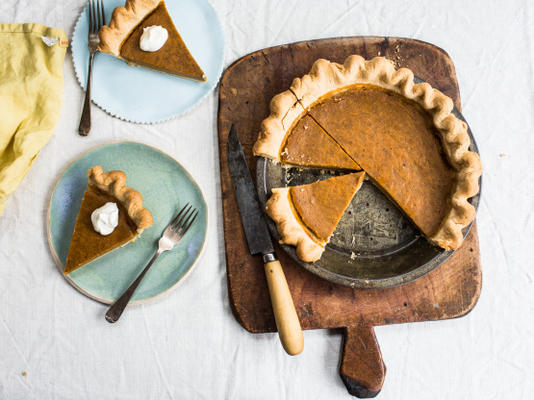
{"points": [[185, 218], [96, 15]]}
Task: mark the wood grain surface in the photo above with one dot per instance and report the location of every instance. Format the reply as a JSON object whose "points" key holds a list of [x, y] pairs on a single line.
{"points": [[450, 291]]}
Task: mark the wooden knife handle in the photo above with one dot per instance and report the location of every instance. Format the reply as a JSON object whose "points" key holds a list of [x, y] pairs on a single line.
{"points": [[284, 311]]}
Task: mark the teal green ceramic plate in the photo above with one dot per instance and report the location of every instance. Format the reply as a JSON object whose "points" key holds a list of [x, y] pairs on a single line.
{"points": [[166, 187]]}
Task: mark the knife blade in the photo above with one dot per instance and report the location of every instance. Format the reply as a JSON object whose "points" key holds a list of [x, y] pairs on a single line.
{"points": [[259, 242], [258, 237]]}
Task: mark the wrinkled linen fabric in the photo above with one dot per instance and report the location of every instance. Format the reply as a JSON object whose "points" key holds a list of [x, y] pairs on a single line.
{"points": [[187, 345], [31, 88]]}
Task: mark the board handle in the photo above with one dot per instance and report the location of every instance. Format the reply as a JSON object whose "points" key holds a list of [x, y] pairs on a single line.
{"points": [[285, 315], [362, 369]]}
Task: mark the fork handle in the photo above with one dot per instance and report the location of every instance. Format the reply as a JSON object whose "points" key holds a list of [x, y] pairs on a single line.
{"points": [[115, 311], [285, 315], [85, 121]]}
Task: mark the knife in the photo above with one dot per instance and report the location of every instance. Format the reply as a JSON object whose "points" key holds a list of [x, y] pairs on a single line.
{"points": [[259, 242]]}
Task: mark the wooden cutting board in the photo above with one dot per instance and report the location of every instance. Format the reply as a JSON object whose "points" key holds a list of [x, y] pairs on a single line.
{"points": [[450, 291]]}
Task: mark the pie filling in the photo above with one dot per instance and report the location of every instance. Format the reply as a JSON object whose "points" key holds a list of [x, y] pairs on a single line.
{"points": [[320, 205], [87, 244], [305, 139], [391, 138], [309, 232], [173, 57]]}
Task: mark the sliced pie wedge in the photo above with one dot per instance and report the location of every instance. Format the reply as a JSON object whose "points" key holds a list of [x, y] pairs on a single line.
{"points": [[307, 215], [298, 140], [87, 244], [121, 39], [309, 145]]}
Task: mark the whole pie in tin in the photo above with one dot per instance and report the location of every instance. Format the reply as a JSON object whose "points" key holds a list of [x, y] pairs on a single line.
{"points": [[403, 135]]}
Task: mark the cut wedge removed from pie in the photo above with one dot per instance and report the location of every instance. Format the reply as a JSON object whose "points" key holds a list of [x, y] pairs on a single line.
{"points": [[307, 215], [87, 244], [403, 135], [121, 38]]}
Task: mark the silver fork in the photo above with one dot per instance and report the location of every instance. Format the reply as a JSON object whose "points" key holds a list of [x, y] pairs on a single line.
{"points": [[96, 20], [174, 232]]}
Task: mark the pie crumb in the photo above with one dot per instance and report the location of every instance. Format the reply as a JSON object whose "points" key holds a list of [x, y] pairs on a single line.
{"points": [[24, 373], [502, 155]]}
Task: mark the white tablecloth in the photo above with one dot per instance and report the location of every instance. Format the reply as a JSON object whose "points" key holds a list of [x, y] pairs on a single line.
{"points": [[55, 344]]}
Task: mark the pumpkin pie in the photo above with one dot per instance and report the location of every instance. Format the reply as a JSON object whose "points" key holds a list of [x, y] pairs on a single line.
{"points": [[307, 215], [403, 135], [87, 244], [122, 36]]}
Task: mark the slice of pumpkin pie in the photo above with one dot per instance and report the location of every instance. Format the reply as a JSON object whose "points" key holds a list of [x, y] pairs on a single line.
{"points": [[307, 215], [111, 215], [142, 33]]}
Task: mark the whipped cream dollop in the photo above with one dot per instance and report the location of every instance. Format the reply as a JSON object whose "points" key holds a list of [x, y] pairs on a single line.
{"points": [[106, 218], [153, 38]]}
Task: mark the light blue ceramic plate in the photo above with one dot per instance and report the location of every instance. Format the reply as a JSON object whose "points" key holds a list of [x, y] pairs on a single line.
{"points": [[144, 96], [166, 187]]}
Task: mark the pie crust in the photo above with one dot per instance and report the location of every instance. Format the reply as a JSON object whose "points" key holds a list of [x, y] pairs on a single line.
{"points": [[113, 183], [123, 20], [327, 78], [285, 111], [291, 230]]}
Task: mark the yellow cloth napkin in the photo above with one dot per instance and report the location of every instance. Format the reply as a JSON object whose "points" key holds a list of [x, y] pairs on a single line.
{"points": [[31, 89]]}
